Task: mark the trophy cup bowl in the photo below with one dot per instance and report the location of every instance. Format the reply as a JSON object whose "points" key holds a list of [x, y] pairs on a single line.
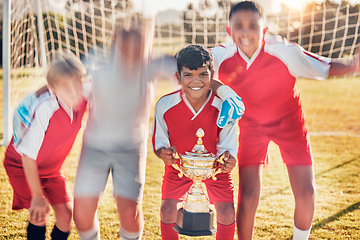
{"points": [[196, 218]]}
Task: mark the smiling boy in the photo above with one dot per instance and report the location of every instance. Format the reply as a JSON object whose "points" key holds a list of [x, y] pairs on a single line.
{"points": [[262, 69], [177, 117]]}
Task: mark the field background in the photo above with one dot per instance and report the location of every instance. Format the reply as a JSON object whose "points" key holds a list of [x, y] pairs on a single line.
{"points": [[337, 170]]}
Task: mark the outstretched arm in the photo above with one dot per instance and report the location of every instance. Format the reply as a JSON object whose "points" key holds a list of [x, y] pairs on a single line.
{"points": [[215, 84], [339, 69], [232, 107]]}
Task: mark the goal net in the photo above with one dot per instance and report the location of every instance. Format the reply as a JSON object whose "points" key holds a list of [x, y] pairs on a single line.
{"points": [[40, 28]]}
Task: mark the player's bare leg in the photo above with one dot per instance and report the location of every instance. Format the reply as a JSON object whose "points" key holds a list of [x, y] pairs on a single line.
{"points": [[225, 217], [131, 217], [168, 210], [168, 213], [304, 194], [250, 186], [85, 216], [63, 214], [225, 212]]}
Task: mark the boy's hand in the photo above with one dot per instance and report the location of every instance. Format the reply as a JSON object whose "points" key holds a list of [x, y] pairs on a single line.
{"points": [[232, 107], [229, 162], [38, 210], [168, 155]]}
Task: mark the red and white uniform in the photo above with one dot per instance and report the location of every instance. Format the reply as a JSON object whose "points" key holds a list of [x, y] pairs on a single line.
{"points": [[175, 124], [266, 84], [48, 141]]}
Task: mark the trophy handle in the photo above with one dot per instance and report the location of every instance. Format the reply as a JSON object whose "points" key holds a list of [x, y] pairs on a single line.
{"points": [[177, 168], [220, 160], [180, 174]]}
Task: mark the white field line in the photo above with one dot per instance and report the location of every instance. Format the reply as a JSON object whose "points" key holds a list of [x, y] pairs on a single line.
{"points": [[335, 134]]}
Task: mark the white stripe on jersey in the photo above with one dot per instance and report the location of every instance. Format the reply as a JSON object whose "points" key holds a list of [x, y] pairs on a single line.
{"points": [[221, 53], [164, 104], [301, 63], [33, 138]]}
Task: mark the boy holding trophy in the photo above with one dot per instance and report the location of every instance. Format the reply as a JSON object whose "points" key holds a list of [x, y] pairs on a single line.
{"points": [[178, 116]]}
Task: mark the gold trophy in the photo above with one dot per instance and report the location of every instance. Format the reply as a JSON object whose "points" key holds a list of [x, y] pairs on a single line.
{"points": [[195, 218]]}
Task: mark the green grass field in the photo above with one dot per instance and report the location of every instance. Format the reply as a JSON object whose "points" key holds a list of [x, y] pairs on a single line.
{"points": [[337, 169]]}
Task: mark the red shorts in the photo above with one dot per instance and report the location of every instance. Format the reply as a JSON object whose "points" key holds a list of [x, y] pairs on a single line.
{"points": [[290, 135], [220, 190], [55, 189]]}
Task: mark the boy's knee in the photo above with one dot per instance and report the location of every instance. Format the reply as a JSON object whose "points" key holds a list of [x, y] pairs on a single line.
{"points": [[64, 219], [131, 212], [168, 213], [67, 215], [225, 213], [83, 222], [307, 195], [249, 199]]}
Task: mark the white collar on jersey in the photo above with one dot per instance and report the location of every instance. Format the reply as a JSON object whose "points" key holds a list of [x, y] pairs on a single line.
{"points": [[253, 57], [192, 109], [67, 109]]}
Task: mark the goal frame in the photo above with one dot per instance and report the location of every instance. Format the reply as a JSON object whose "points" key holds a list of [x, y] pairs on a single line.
{"points": [[6, 71]]}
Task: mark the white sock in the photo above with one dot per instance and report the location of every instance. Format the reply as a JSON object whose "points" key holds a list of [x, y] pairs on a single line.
{"points": [[301, 234], [125, 235], [92, 234]]}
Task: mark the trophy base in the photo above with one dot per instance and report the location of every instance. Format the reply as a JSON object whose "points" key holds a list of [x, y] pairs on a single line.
{"points": [[194, 224]]}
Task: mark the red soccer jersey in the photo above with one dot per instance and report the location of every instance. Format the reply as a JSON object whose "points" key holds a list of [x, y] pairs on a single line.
{"points": [[176, 123], [266, 82], [58, 139]]}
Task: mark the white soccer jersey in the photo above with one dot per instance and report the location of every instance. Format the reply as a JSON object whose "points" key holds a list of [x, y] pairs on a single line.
{"points": [[120, 103]]}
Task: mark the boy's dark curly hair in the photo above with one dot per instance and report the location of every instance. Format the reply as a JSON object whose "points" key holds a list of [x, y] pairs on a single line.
{"points": [[194, 57]]}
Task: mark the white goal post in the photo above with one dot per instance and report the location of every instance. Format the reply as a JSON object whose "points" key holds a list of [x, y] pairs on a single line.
{"points": [[33, 30]]}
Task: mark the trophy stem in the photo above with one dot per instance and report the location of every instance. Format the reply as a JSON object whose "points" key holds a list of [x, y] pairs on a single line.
{"points": [[197, 189], [196, 200]]}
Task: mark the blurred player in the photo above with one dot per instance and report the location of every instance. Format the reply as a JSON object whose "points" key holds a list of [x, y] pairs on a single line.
{"points": [[45, 127], [177, 117], [262, 69], [115, 139]]}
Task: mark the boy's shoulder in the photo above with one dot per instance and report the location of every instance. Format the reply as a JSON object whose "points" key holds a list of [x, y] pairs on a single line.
{"points": [[223, 52], [224, 48], [41, 104], [169, 100], [42, 98], [276, 43], [216, 102]]}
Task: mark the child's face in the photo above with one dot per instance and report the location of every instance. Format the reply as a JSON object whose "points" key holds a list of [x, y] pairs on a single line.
{"points": [[132, 46], [69, 89], [195, 83], [247, 30]]}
